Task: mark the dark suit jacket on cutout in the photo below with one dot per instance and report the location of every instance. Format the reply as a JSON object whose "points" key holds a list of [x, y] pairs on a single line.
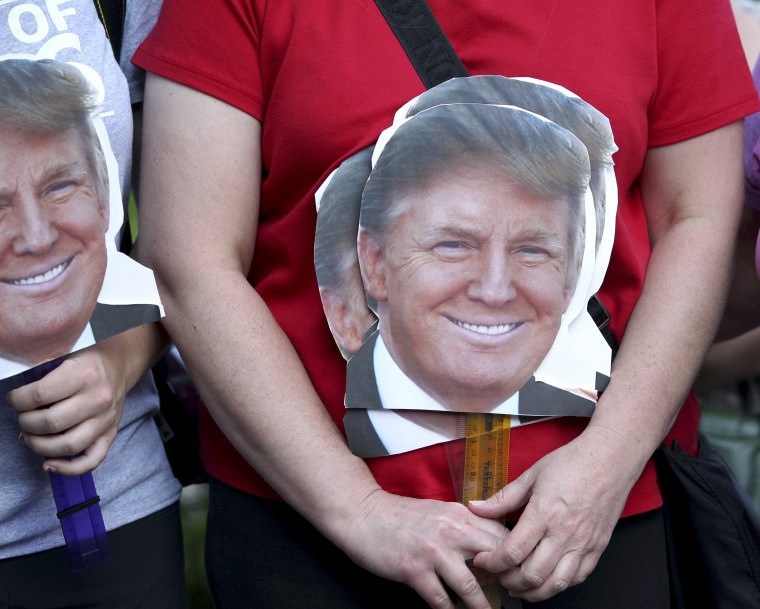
{"points": [[108, 320], [362, 391]]}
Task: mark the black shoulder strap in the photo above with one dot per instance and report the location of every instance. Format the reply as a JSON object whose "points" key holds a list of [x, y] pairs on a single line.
{"points": [[424, 41], [112, 13]]}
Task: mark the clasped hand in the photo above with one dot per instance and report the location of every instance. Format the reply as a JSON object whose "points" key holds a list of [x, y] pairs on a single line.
{"points": [[570, 500], [71, 415], [424, 544]]}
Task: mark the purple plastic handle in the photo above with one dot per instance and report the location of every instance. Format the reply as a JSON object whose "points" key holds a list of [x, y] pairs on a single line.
{"points": [[75, 496]]}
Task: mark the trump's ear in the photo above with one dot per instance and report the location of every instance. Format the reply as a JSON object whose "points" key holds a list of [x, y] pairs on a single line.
{"points": [[569, 293], [372, 265], [104, 208], [343, 322]]}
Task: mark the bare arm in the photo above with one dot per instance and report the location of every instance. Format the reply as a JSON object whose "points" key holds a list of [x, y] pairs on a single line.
{"points": [[199, 206], [574, 496], [742, 312], [730, 361]]}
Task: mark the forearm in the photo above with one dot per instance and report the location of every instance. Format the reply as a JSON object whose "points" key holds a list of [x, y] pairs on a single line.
{"points": [[259, 394], [665, 341], [134, 351], [693, 225], [730, 361], [742, 313]]}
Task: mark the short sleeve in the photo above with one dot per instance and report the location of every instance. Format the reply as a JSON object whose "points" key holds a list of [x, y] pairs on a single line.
{"points": [[140, 18], [703, 81], [209, 45]]}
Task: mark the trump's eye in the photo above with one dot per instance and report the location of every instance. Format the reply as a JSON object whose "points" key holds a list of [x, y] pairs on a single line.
{"points": [[451, 249], [63, 180], [60, 190], [531, 254]]}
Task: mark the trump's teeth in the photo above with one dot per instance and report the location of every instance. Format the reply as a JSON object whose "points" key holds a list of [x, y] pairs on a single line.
{"points": [[47, 276], [490, 330]]}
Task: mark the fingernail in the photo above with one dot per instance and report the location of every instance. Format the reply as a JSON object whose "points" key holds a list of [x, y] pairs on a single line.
{"points": [[49, 469], [22, 438]]}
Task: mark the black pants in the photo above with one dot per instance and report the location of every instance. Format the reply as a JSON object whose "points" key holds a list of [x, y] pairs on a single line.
{"points": [[146, 570], [262, 554]]}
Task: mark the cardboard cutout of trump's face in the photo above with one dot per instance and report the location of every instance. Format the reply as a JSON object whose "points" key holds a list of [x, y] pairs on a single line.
{"points": [[341, 290], [471, 227], [56, 205], [475, 260], [52, 247], [471, 282]]}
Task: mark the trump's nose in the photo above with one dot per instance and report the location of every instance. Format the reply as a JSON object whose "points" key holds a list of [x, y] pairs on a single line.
{"points": [[33, 229], [493, 279]]}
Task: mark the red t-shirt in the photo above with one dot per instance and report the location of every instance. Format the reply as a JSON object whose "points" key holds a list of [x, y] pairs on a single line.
{"points": [[326, 77]]}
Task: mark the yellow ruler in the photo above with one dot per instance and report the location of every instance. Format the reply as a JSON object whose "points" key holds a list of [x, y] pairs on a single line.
{"points": [[480, 467], [486, 457]]}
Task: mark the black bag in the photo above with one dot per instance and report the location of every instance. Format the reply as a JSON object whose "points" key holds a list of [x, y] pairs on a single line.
{"points": [[731, 421], [177, 419], [712, 530]]}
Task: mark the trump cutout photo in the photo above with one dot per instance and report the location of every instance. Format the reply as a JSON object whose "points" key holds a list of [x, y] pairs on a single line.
{"points": [[63, 284], [485, 228]]}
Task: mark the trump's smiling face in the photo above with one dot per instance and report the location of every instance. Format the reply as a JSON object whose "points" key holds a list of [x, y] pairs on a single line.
{"points": [[52, 245], [471, 283]]}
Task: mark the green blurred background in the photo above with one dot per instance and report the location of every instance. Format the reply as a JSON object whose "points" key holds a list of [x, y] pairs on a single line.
{"points": [[193, 505]]}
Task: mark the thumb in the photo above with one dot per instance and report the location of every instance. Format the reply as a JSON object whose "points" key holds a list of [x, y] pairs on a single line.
{"points": [[509, 499]]}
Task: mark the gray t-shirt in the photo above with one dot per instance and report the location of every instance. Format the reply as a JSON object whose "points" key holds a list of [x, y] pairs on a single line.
{"points": [[135, 479], [140, 18]]}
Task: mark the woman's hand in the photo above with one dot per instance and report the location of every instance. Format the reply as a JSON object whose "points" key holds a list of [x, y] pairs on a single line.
{"points": [[74, 411], [572, 499], [72, 414], [423, 543]]}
